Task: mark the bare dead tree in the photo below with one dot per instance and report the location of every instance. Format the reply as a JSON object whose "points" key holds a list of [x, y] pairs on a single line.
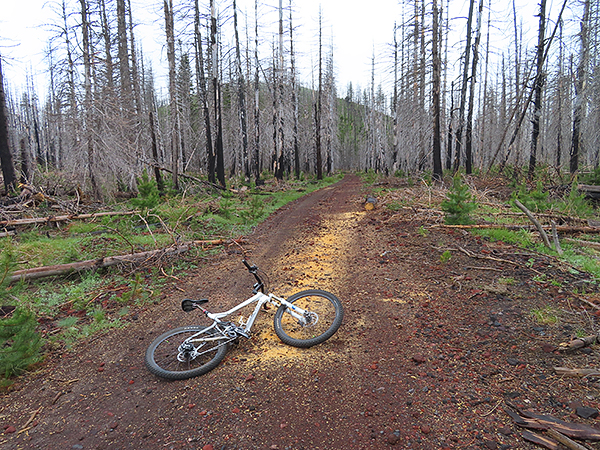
{"points": [[463, 89], [294, 88], [6, 159], [318, 150], [123, 55], [88, 101], [135, 75], [241, 96], [216, 85], [107, 37], [469, 124], [539, 84], [580, 85], [173, 109], [437, 66], [256, 166], [202, 93]]}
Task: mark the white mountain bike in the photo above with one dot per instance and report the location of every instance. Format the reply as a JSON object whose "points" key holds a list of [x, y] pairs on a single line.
{"points": [[305, 319]]}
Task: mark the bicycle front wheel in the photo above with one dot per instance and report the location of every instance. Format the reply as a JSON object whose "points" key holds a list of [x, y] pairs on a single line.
{"points": [[324, 314], [185, 352]]}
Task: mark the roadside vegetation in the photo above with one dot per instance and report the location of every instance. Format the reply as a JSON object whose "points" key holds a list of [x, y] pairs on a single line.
{"points": [[486, 207], [55, 313]]}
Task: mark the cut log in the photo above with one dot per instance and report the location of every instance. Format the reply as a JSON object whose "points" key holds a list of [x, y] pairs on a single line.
{"points": [[589, 190], [370, 203]]}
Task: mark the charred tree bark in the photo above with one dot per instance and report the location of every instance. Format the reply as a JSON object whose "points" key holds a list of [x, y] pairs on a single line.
{"points": [[463, 89], [6, 160], [203, 94], [256, 166], [395, 142], [539, 83], [123, 55], [220, 163], [450, 130], [157, 175], [88, 101], [280, 161], [241, 97], [469, 130], [437, 65], [173, 110], [296, 150], [319, 157], [580, 85]]}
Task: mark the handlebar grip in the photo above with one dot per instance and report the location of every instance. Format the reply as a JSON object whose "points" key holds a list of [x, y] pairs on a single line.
{"points": [[246, 264]]}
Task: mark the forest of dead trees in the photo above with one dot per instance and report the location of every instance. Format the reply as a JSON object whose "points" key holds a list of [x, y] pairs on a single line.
{"points": [[236, 106]]}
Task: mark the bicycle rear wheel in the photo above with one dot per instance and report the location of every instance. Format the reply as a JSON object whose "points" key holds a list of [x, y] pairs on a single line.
{"points": [[185, 352], [324, 314]]}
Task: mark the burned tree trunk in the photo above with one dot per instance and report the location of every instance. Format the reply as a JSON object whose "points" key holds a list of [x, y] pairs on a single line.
{"points": [[241, 96], [6, 160], [539, 83], [579, 110], [437, 65], [173, 110]]}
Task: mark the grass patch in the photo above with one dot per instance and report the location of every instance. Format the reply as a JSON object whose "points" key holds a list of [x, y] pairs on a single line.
{"points": [[547, 315]]}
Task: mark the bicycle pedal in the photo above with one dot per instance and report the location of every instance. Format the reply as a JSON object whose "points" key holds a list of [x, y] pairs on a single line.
{"points": [[243, 333]]}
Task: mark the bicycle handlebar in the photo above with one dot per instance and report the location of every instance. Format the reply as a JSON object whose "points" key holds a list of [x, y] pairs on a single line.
{"points": [[254, 271]]}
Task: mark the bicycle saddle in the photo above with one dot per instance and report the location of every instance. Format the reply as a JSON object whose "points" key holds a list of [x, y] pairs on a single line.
{"points": [[189, 305]]}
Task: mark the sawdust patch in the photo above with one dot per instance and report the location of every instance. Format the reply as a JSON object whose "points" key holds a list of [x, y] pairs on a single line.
{"points": [[321, 262]]}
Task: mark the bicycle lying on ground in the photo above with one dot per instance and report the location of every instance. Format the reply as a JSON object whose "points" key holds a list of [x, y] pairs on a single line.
{"points": [[305, 319]]}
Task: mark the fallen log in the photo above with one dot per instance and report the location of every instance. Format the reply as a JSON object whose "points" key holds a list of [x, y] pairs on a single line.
{"points": [[531, 419], [540, 440], [92, 264], [65, 269], [567, 372], [51, 219], [560, 228], [564, 440], [590, 244]]}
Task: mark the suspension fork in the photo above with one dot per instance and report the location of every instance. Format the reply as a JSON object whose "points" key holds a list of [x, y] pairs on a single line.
{"points": [[295, 311]]}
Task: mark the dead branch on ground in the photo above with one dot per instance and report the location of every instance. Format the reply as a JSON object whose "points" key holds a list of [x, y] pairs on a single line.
{"points": [[537, 224]]}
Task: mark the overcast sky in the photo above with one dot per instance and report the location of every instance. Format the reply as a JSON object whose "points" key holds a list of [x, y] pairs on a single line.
{"points": [[357, 29]]}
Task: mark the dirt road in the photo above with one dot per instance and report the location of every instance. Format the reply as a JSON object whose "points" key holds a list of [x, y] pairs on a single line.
{"points": [[427, 355]]}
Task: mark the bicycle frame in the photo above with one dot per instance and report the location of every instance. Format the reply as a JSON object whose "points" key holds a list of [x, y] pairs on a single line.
{"points": [[260, 299]]}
